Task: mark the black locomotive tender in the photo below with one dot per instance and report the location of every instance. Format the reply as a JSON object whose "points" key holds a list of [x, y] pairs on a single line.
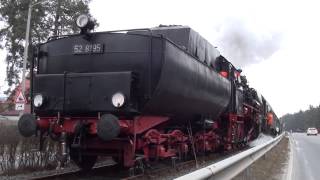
{"points": [[161, 92]]}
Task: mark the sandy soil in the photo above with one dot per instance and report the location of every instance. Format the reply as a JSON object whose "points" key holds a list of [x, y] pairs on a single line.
{"points": [[272, 166]]}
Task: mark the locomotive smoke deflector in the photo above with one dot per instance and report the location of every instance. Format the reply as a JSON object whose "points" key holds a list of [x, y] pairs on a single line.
{"points": [[85, 23]]}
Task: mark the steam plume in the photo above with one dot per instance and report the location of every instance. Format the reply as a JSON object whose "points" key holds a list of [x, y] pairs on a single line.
{"points": [[242, 45]]}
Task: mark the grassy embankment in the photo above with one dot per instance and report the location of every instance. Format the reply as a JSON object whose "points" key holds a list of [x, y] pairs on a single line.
{"points": [[19, 154]]}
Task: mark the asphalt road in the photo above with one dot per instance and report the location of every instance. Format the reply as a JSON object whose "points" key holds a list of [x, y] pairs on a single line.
{"points": [[305, 157]]}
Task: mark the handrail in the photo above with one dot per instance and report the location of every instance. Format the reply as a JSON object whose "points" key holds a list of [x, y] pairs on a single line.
{"points": [[232, 166]]}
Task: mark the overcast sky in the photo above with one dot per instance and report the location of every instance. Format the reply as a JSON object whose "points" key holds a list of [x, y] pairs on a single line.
{"points": [[274, 42]]}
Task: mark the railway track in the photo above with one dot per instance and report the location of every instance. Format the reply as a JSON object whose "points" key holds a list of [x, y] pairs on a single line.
{"points": [[165, 170], [55, 175]]}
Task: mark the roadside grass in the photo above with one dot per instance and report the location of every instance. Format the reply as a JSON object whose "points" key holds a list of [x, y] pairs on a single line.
{"points": [[19, 154]]}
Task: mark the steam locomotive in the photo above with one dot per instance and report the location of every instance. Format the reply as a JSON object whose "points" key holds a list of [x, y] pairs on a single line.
{"points": [[147, 94]]}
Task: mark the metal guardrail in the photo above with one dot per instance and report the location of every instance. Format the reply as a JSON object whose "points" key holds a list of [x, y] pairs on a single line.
{"points": [[230, 167]]}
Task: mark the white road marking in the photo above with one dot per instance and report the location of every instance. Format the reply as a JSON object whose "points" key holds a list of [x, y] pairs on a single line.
{"points": [[290, 164]]}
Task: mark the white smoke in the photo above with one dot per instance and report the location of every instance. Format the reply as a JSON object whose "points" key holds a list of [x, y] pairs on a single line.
{"points": [[243, 45]]}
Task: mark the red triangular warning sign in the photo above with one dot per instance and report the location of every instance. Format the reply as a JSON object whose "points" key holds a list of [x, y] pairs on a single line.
{"points": [[20, 98]]}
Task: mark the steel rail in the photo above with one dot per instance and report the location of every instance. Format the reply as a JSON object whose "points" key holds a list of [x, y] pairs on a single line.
{"points": [[230, 167], [58, 174]]}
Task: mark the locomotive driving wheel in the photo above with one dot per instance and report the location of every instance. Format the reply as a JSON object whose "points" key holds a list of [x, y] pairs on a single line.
{"points": [[83, 161]]}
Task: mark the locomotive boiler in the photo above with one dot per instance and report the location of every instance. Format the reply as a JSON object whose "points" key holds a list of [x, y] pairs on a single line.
{"points": [[141, 94]]}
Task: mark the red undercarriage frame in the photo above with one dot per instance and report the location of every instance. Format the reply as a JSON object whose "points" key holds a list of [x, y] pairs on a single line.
{"points": [[144, 135]]}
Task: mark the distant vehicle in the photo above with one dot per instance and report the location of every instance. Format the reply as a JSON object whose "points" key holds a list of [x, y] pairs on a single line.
{"points": [[312, 131]]}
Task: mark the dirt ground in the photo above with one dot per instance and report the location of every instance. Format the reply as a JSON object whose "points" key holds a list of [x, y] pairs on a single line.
{"points": [[272, 166]]}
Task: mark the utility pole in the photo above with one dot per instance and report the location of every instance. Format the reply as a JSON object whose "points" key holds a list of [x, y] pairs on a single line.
{"points": [[26, 46]]}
